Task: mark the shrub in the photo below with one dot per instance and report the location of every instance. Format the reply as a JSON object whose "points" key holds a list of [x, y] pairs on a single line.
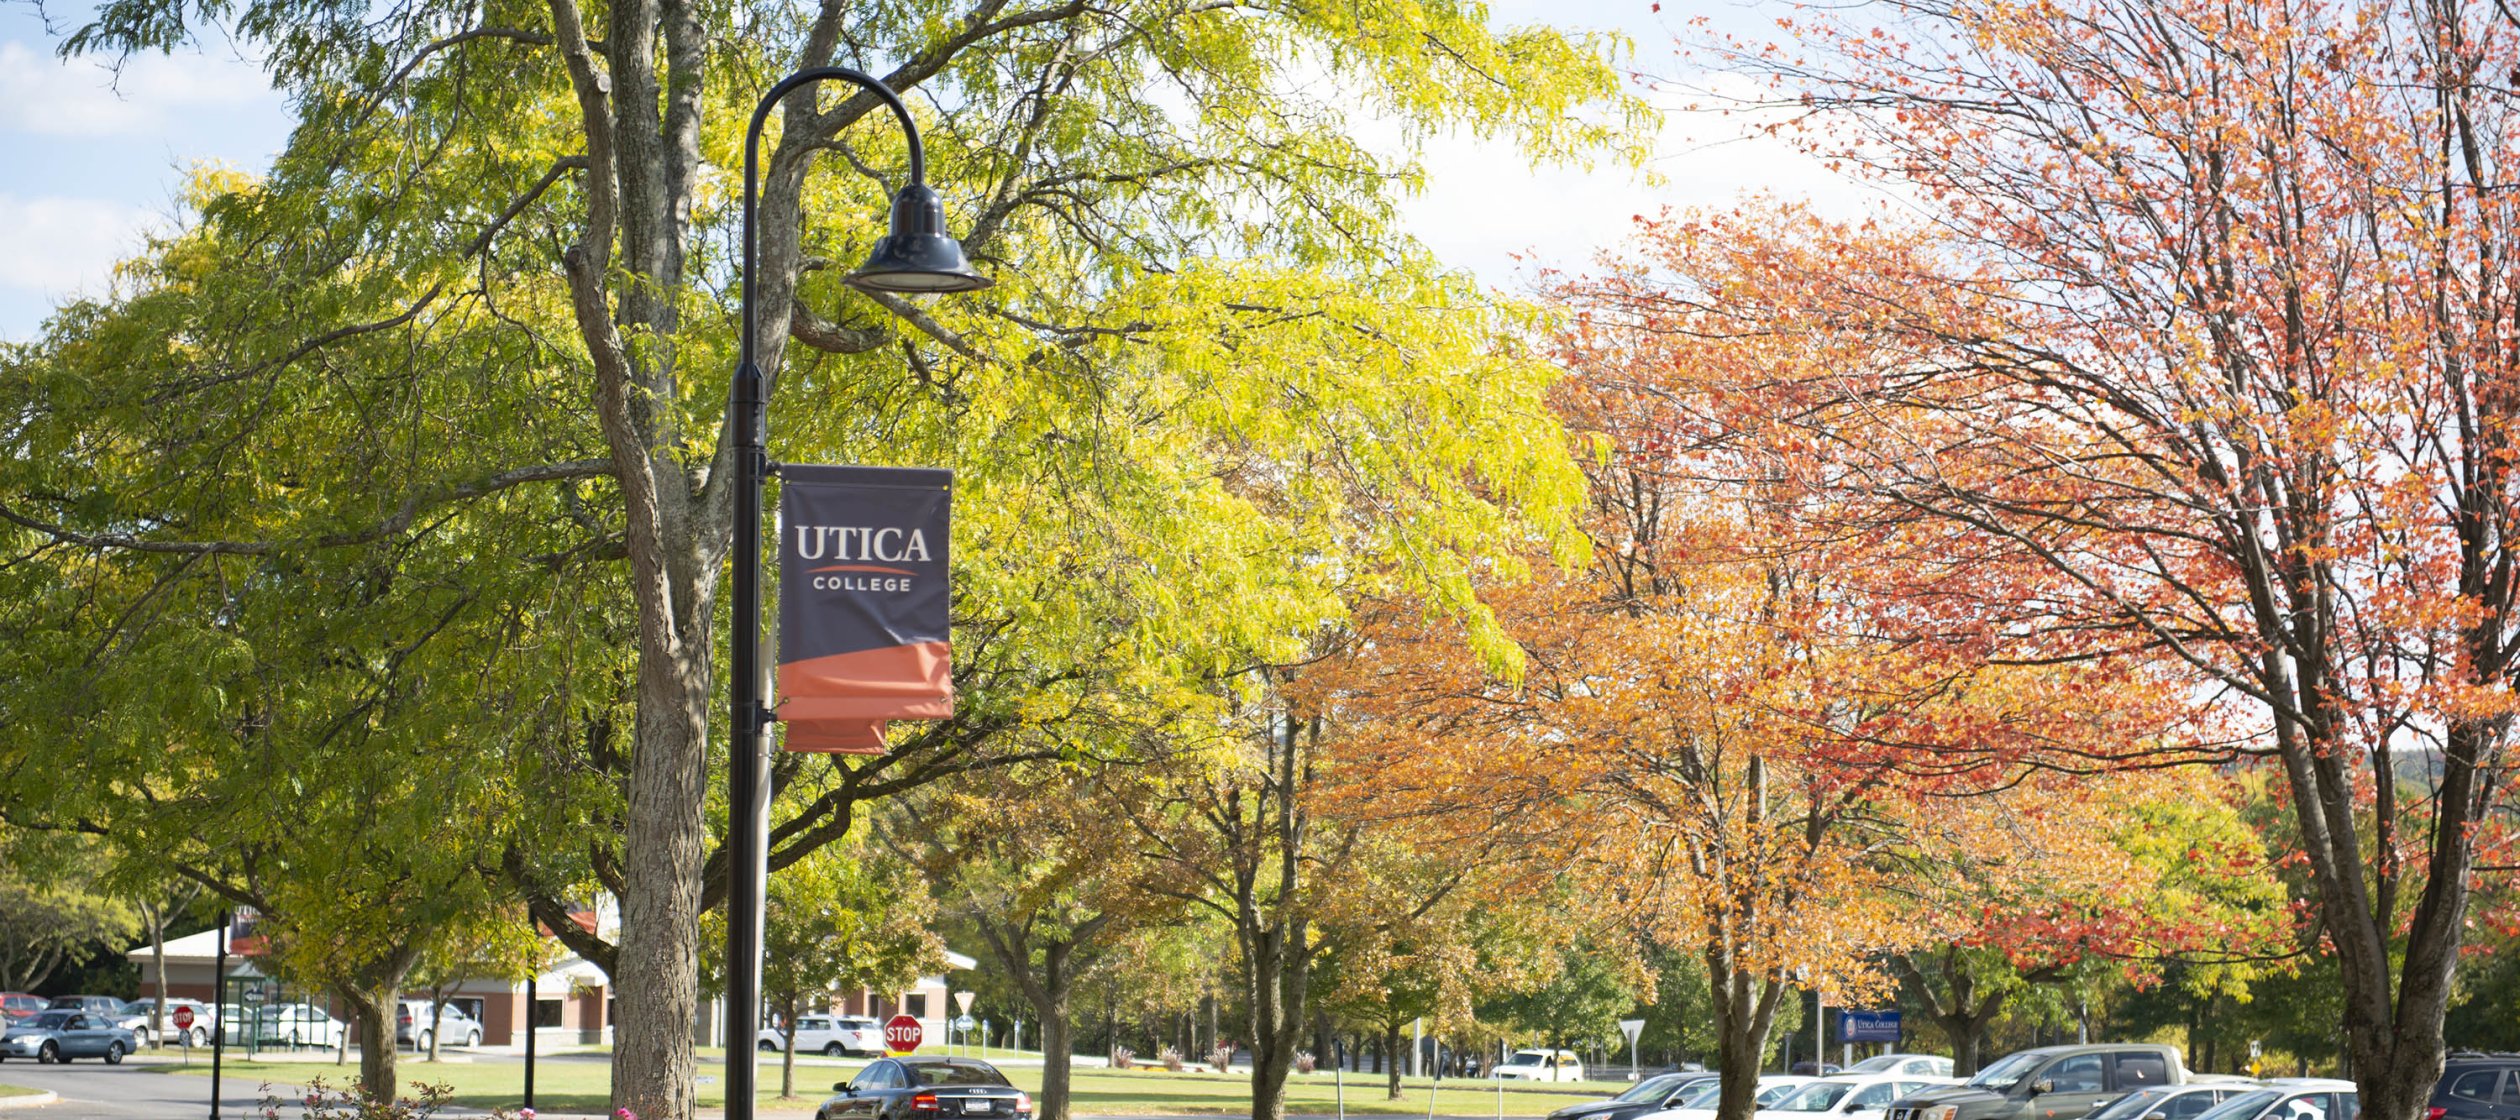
{"points": [[1123, 1058], [1171, 1059], [324, 1102], [1222, 1057], [1305, 1062]]}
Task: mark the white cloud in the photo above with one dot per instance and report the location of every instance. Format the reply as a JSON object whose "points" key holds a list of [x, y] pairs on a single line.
{"points": [[48, 96], [64, 247]]}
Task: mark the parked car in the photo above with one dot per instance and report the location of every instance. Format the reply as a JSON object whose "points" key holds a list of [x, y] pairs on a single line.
{"points": [[204, 1020], [2476, 1086], [836, 1036], [2172, 1102], [2048, 1083], [2291, 1098], [1540, 1065], [1654, 1094], [1698, 1101], [298, 1024], [58, 1035], [418, 1023], [1860, 1097], [1923, 1065], [108, 1005], [924, 1088], [19, 1005]]}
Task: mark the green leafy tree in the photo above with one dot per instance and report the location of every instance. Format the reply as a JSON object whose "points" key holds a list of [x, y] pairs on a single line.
{"points": [[52, 908], [1049, 900], [485, 944], [1579, 1003], [484, 288], [834, 922]]}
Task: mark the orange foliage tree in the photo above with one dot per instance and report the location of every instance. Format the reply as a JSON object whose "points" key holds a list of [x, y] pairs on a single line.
{"points": [[1723, 727], [2210, 360]]}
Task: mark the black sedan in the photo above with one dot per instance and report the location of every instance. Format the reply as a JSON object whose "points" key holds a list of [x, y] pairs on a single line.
{"points": [[1653, 1094], [926, 1089]]}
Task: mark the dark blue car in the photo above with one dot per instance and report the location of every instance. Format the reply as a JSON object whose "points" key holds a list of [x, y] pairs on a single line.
{"points": [[58, 1036]]}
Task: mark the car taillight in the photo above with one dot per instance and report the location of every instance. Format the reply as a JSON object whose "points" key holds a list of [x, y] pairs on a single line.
{"points": [[1023, 1102], [924, 1102], [2435, 1113]]}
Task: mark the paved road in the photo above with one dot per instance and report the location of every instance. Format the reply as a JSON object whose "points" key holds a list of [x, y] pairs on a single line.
{"points": [[130, 1091]]}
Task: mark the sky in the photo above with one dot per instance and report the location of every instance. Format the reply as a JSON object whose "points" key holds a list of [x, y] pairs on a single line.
{"points": [[91, 159]]}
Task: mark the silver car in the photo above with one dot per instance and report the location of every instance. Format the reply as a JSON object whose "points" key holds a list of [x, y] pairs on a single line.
{"points": [[60, 1035], [204, 1021]]}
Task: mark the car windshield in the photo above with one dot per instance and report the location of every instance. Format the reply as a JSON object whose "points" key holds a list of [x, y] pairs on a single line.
{"points": [[1700, 1095], [1770, 1095], [2136, 1104], [1879, 1063], [52, 1020], [1523, 1059], [2243, 1106], [1819, 1096], [1650, 1088], [959, 1074], [2007, 1073]]}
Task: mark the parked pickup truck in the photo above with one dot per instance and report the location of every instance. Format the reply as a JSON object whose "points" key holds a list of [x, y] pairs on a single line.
{"points": [[2049, 1083]]}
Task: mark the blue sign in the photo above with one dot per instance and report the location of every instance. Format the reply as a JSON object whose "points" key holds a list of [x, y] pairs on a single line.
{"points": [[1868, 1026]]}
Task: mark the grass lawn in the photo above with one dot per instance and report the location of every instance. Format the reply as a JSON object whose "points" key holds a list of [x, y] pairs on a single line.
{"points": [[17, 1091], [583, 1085]]}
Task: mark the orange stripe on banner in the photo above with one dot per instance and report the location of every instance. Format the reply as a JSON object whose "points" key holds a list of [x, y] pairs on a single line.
{"points": [[839, 704], [920, 671], [836, 736]]}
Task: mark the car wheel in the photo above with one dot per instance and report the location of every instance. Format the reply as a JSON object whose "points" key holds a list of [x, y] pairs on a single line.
{"points": [[766, 1046], [200, 1038], [473, 1039], [835, 1050], [296, 1040], [49, 1055], [427, 1037], [113, 1053]]}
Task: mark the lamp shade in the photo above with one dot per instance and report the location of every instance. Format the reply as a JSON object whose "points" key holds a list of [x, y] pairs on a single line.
{"points": [[917, 256]]}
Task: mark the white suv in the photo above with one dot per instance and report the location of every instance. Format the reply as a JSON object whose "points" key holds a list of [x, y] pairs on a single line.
{"points": [[836, 1036], [1541, 1065]]}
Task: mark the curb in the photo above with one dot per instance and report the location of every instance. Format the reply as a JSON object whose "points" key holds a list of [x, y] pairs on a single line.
{"points": [[29, 1100]]}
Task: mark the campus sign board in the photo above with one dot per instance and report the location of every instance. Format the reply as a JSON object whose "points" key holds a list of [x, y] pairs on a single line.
{"points": [[1868, 1026], [864, 602]]}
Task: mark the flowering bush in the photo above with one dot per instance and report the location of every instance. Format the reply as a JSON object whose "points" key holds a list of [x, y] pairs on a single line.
{"points": [[1123, 1058], [1304, 1061], [1171, 1059], [325, 1102], [1222, 1057]]}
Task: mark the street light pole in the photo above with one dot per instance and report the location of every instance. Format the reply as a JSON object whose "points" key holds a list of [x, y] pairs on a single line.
{"points": [[915, 257]]}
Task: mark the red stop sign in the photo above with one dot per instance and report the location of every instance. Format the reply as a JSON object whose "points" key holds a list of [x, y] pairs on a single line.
{"points": [[903, 1034], [183, 1018]]}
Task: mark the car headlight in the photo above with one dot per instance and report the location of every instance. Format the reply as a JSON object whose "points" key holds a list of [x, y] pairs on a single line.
{"points": [[1943, 1112]]}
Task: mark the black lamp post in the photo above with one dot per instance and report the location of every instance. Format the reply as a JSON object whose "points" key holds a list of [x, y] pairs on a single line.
{"points": [[915, 257]]}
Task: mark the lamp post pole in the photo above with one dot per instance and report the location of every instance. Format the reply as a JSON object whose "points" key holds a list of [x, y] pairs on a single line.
{"points": [[916, 256]]}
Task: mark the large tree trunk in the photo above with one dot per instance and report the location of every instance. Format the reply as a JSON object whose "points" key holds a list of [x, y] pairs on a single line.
{"points": [[1962, 1024], [1049, 997], [157, 970], [372, 1008], [1391, 1046], [659, 976], [787, 1054], [1745, 1013]]}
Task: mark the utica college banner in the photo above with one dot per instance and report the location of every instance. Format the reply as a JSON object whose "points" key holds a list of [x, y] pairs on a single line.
{"points": [[864, 554]]}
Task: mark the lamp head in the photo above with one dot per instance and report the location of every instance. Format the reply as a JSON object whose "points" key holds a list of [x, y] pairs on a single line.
{"points": [[917, 257]]}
